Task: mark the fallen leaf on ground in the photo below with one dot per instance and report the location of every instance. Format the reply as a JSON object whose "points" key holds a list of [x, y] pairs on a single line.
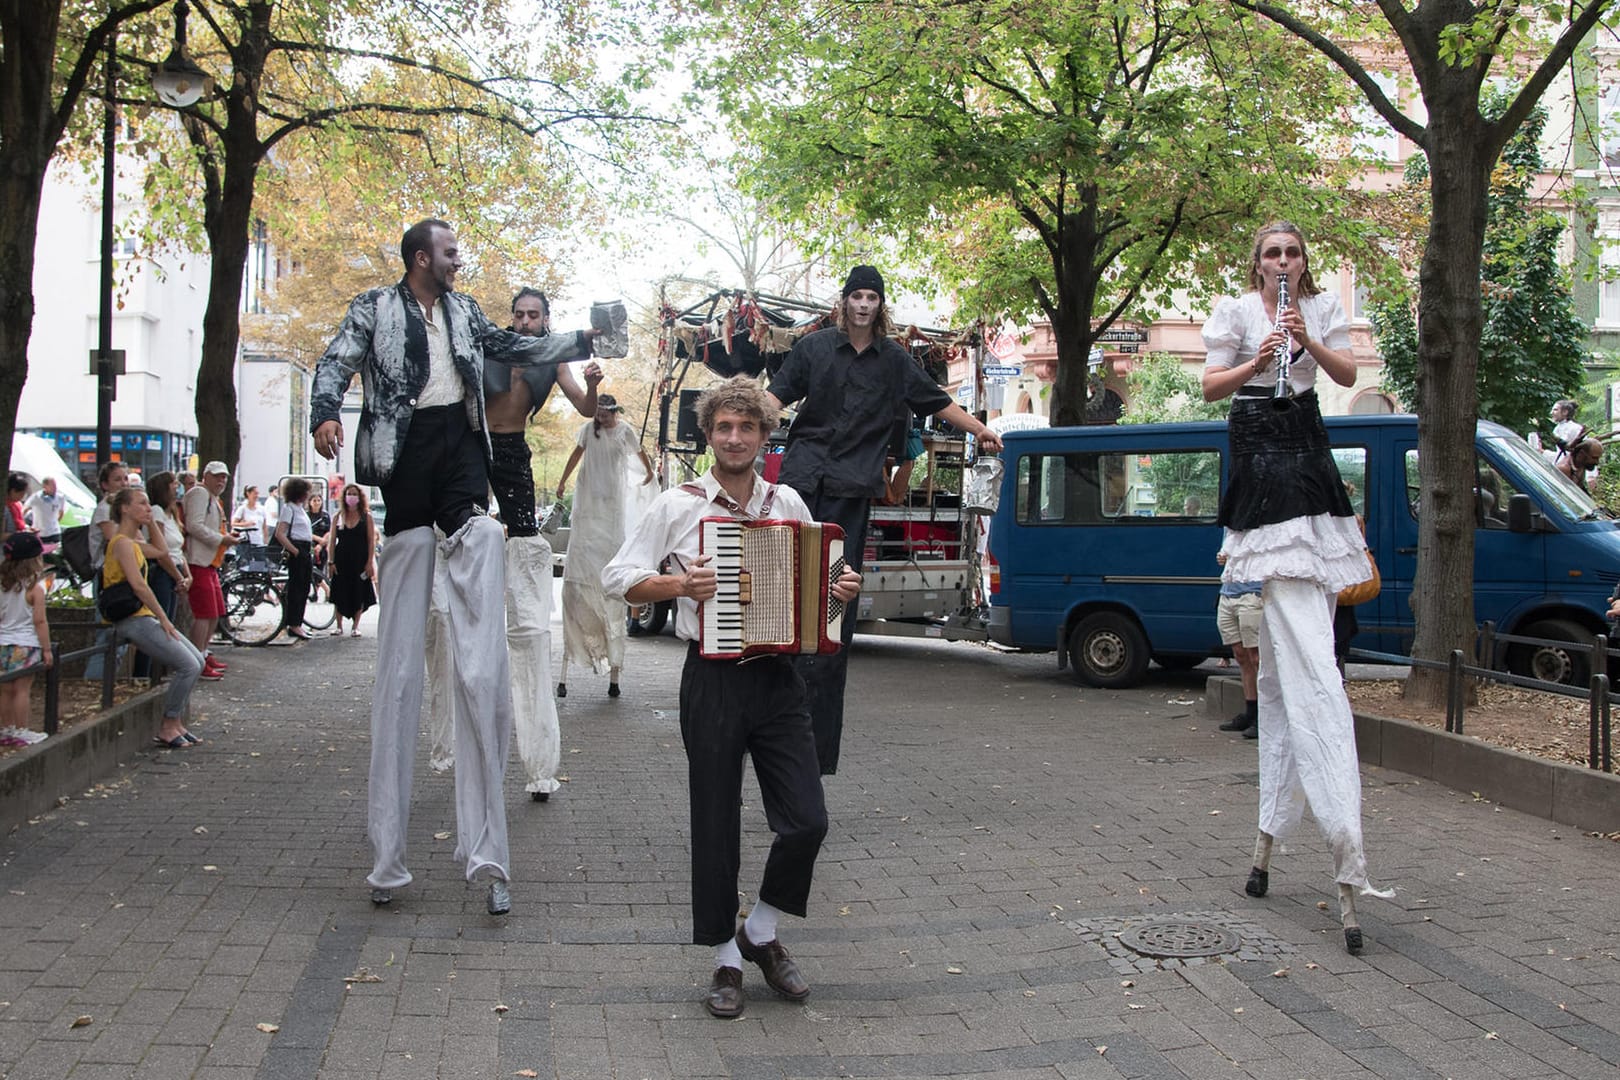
{"points": [[79, 1022], [441, 836], [953, 970], [525, 1072], [364, 975], [268, 1029], [501, 1008]]}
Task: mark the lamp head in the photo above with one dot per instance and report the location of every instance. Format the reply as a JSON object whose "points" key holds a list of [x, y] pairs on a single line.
{"points": [[177, 80]]}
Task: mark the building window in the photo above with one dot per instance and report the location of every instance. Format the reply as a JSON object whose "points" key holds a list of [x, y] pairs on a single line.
{"points": [[1609, 121], [1608, 281], [1374, 137]]}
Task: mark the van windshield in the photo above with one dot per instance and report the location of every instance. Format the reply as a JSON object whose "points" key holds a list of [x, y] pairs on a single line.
{"points": [[1556, 491]]}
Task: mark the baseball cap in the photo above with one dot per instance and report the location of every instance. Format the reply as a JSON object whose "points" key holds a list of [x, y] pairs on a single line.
{"points": [[216, 467]]}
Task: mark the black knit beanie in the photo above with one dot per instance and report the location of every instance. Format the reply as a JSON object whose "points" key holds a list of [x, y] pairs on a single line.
{"points": [[864, 277]]}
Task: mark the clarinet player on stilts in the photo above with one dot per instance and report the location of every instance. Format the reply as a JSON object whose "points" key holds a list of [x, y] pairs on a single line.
{"points": [[1290, 524]]}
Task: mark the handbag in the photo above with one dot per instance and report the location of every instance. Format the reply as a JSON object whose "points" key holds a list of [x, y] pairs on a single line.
{"points": [[118, 602], [1364, 591]]}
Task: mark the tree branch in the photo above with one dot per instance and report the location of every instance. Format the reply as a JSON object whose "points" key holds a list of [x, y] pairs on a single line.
{"points": [[1398, 21]]}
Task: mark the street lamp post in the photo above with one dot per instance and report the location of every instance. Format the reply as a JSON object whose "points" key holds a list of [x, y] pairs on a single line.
{"points": [[179, 83]]}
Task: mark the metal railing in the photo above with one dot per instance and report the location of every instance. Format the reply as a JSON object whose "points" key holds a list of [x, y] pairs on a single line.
{"points": [[53, 677], [1457, 668]]}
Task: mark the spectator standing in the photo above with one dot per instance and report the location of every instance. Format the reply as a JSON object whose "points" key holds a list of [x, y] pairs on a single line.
{"points": [[248, 520], [148, 628], [594, 620], [320, 523], [188, 480], [1237, 618], [16, 492], [294, 536], [44, 513], [173, 576], [112, 477], [206, 544], [25, 639], [351, 548]]}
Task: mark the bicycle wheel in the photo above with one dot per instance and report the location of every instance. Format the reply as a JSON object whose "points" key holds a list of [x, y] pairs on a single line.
{"points": [[319, 612], [252, 609]]}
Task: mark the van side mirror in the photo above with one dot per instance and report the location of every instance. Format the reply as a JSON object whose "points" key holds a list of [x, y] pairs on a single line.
{"points": [[1520, 514]]}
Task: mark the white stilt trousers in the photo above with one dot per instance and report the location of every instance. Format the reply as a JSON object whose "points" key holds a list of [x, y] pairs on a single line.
{"points": [[483, 705]]}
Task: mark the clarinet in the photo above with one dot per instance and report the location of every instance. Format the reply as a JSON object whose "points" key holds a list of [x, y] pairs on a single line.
{"points": [[1283, 354]]}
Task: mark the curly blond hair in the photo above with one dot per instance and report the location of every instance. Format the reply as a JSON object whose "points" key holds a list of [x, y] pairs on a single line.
{"points": [[739, 394]]}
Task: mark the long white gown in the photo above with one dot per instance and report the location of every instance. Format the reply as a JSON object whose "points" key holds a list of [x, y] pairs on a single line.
{"points": [[594, 620]]}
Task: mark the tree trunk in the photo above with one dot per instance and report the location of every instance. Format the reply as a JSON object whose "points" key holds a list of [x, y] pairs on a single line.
{"points": [[28, 132], [1071, 321], [230, 169], [20, 185], [1450, 320]]}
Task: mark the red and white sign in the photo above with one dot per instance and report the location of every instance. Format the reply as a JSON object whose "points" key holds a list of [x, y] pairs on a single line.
{"points": [[1003, 346]]}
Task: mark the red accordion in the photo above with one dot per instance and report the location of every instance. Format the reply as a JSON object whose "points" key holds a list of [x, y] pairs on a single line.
{"points": [[774, 587]]}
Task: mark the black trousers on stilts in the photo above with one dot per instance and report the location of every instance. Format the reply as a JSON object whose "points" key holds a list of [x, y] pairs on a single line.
{"points": [[824, 676]]}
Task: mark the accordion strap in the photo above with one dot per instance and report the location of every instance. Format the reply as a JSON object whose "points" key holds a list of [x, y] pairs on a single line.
{"points": [[694, 488]]}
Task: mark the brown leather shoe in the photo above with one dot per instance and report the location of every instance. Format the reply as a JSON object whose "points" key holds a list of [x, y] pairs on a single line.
{"points": [[725, 997], [778, 967]]}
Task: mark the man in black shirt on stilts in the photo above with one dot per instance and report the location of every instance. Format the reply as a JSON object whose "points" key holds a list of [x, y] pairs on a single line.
{"points": [[853, 379]]}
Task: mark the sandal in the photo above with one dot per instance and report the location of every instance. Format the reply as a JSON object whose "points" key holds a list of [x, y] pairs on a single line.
{"points": [[354, 633], [176, 743]]}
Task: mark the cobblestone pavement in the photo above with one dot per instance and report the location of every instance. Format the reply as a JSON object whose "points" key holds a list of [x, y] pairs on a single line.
{"points": [[994, 831]]}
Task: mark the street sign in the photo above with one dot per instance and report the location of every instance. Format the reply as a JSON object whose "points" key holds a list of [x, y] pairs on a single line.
{"points": [[1003, 370], [1118, 333], [115, 356]]}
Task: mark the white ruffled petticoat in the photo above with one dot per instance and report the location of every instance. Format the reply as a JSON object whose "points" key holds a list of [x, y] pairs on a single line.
{"points": [[1322, 548]]}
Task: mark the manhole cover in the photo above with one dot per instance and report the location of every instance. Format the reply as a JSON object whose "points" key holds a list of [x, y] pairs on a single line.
{"points": [[1177, 939]]}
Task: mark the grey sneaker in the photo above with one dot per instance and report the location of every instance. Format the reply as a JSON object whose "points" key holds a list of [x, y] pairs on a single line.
{"points": [[382, 897], [500, 899]]}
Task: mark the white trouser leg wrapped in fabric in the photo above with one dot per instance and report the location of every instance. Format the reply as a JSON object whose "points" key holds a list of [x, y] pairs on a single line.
{"points": [[475, 561], [1307, 733], [396, 700], [441, 672], [528, 637]]}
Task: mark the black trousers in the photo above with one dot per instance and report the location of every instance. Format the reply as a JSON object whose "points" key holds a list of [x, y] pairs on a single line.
{"points": [[729, 709], [441, 477], [512, 477], [824, 676], [300, 569]]}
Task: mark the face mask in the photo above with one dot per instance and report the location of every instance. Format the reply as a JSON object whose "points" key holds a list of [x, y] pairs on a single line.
{"points": [[351, 500]]}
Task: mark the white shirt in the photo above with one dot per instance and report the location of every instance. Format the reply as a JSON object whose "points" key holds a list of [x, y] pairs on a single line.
{"points": [[444, 385], [45, 513], [98, 542], [670, 528], [173, 538], [297, 520], [249, 521], [1235, 329]]}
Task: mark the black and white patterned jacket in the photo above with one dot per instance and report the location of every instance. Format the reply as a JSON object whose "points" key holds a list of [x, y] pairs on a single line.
{"points": [[384, 338]]}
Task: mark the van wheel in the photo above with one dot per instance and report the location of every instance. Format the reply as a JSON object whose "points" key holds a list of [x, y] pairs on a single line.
{"points": [[649, 619], [1551, 663], [1108, 650]]}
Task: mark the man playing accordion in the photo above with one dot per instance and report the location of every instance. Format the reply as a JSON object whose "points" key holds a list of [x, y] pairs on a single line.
{"points": [[730, 708]]}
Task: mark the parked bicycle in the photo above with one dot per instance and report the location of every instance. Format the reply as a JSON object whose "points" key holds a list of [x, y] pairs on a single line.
{"points": [[255, 587]]}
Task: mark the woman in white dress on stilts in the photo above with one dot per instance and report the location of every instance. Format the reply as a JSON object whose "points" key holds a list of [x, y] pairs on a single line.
{"points": [[593, 620]]}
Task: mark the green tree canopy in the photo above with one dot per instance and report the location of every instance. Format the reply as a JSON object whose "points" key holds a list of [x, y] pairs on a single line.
{"points": [[1077, 163], [1532, 350]]}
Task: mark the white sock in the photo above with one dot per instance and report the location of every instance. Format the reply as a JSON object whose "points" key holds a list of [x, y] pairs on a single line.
{"points": [[760, 925], [726, 954]]}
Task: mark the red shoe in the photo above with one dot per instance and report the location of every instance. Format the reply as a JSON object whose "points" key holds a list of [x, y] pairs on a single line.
{"points": [[212, 670], [209, 674], [213, 661]]}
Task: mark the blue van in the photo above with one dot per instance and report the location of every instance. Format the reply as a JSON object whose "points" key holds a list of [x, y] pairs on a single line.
{"points": [[1103, 547]]}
